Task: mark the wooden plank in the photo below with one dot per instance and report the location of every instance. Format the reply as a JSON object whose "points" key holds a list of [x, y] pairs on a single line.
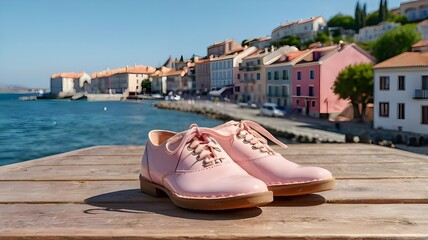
{"points": [[347, 191], [130, 172], [93, 160], [163, 220]]}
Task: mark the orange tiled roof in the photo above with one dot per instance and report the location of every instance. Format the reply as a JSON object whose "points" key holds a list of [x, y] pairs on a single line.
{"points": [[67, 75], [164, 72], [133, 69], [202, 61], [421, 43], [406, 59]]}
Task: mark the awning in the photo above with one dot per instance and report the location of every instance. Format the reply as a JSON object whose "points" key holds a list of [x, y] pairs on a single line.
{"points": [[217, 93]]}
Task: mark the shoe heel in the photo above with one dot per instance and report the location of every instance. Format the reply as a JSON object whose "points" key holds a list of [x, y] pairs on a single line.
{"points": [[150, 188]]}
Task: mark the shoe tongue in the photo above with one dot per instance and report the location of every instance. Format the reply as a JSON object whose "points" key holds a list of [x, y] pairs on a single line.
{"points": [[228, 129]]}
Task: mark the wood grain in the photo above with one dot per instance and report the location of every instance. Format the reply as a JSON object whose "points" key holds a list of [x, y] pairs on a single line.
{"points": [[93, 193]]}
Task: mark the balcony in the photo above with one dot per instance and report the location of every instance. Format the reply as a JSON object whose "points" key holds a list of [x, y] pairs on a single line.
{"points": [[421, 94], [247, 81], [249, 68]]}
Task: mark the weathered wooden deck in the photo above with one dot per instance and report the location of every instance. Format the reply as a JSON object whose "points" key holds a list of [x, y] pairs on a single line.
{"points": [[381, 193]]}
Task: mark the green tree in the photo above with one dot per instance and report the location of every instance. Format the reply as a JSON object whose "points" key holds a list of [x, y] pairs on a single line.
{"points": [[322, 37], [340, 20], [290, 41], [372, 19], [402, 19], [396, 41], [146, 86], [381, 12], [355, 83], [360, 16]]}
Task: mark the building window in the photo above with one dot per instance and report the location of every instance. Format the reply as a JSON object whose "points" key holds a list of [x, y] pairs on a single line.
{"points": [[284, 75], [297, 102], [311, 75], [424, 82], [384, 83], [245, 76], [269, 76], [270, 92], [311, 91], [384, 109], [313, 103], [276, 75], [284, 90], [237, 88], [238, 76], [258, 76], [299, 75], [298, 90], [400, 110], [424, 114], [252, 76], [258, 61], [401, 83]]}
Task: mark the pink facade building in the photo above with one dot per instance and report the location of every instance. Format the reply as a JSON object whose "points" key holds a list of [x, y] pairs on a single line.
{"points": [[314, 76]]}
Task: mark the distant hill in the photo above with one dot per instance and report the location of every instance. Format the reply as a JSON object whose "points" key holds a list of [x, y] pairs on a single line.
{"points": [[18, 89]]}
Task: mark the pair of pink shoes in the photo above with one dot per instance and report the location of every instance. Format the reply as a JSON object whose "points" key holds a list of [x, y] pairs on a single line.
{"points": [[226, 167]]}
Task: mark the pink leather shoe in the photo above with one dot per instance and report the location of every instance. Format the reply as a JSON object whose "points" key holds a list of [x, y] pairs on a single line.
{"points": [[246, 146], [196, 173]]}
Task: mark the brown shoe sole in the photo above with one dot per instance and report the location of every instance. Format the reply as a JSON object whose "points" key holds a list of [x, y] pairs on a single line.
{"points": [[243, 201], [303, 188]]}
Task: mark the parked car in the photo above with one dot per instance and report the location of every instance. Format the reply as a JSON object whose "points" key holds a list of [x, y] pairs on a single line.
{"points": [[247, 105], [271, 110]]}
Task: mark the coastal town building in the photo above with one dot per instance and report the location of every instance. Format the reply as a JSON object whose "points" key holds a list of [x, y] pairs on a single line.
{"points": [[203, 76], [225, 68], [414, 10], [304, 29], [260, 43], [279, 78], [69, 83], [372, 33], [125, 80], [314, 75], [165, 80], [250, 84], [423, 29], [401, 93], [223, 48]]}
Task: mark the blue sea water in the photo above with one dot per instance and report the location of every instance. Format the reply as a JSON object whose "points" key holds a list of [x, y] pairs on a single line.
{"points": [[34, 129]]}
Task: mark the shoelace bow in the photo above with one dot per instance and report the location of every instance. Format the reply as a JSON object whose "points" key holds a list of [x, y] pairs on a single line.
{"points": [[253, 133], [201, 145]]}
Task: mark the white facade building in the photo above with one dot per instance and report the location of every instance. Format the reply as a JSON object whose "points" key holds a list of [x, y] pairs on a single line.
{"points": [[414, 10], [261, 43], [304, 29], [68, 84], [423, 29], [372, 33], [401, 93], [225, 68]]}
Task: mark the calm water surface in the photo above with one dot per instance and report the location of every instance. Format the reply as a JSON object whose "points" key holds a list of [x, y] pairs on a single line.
{"points": [[34, 129]]}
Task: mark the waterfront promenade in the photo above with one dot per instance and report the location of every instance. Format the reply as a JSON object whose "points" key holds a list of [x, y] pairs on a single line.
{"points": [[280, 126], [93, 193], [299, 128]]}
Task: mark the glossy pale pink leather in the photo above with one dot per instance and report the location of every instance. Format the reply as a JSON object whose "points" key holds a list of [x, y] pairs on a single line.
{"points": [[246, 146], [170, 161]]}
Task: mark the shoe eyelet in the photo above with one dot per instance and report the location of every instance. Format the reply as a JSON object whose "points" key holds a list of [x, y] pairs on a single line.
{"points": [[194, 153], [254, 148], [245, 141], [198, 158], [189, 148], [238, 137], [217, 149]]}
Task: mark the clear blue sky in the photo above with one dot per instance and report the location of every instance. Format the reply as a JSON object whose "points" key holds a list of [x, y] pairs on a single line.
{"points": [[38, 38]]}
